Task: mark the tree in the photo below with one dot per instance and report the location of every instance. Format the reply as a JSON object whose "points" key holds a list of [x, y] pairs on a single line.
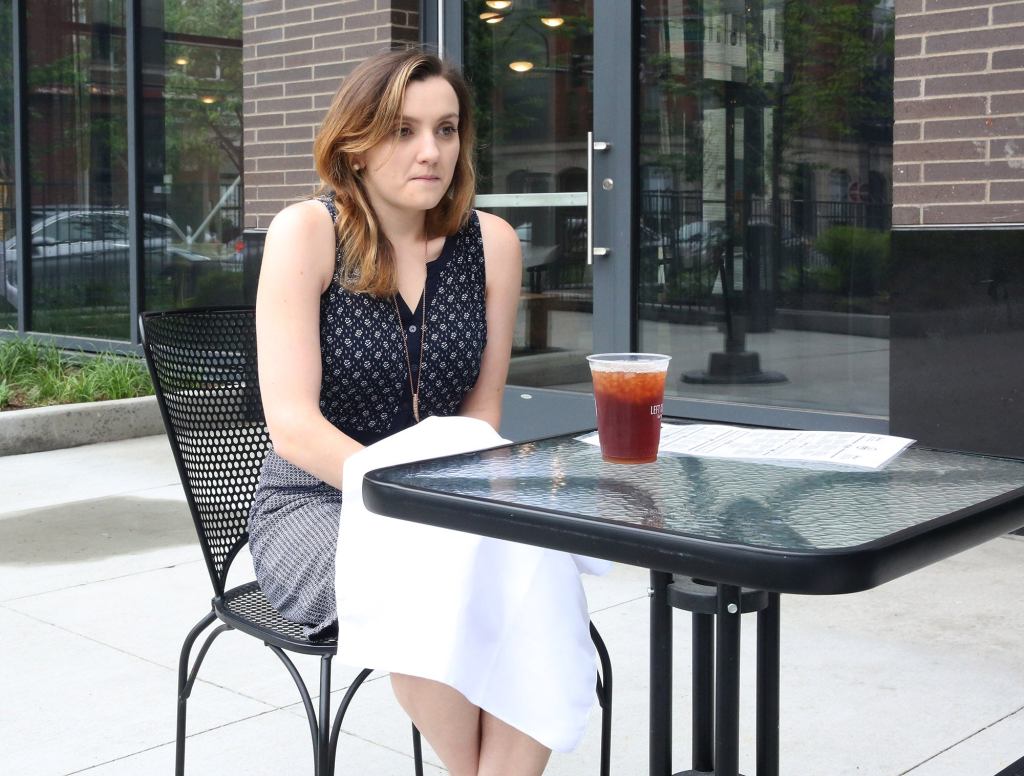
{"points": [[204, 91], [838, 69]]}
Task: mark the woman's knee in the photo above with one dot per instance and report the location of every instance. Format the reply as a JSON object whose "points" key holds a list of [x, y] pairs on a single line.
{"points": [[449, 722], [415, 691]]}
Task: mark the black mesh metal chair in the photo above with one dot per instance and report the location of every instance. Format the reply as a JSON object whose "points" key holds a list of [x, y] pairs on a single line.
{"points": [[203, 365]]}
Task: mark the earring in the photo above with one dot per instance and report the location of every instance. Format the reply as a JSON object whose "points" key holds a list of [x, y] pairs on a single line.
{"points": [[357, 167]]}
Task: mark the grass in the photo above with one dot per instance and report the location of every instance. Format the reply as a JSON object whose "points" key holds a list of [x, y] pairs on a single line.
{"points": [[34, 375]]}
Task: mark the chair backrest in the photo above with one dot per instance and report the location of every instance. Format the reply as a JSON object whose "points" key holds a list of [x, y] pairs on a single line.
{"points": [[203, 365]]}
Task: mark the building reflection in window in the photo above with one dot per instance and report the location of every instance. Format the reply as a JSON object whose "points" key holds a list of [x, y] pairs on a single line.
{"points": [[766, 154], [192, 105], [530, 66], [78, 164], [8, 265], [79, 148]]}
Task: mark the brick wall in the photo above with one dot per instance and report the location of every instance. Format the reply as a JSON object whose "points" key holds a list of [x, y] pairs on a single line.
{"points": [[295, 52], [959, 132]]}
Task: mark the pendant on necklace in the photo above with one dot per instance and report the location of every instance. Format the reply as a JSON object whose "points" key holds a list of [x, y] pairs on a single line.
{"points": [[416, 406]]}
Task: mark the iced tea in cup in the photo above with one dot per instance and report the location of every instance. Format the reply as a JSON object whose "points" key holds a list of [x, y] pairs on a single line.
{"points": [[629, 391]]}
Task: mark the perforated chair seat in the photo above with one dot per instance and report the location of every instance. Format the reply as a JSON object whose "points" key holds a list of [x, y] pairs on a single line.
{"points": [[246, 608]]}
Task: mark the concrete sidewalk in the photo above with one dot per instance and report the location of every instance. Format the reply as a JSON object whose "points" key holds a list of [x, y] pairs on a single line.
{"points": [[101, 579]]}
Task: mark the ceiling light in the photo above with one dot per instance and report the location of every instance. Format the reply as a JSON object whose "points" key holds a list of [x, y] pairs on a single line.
{"points": [[520, 66], [181, 61], [207, 100], [552, 21], [498, 5], [496, 19], [488, 15]]}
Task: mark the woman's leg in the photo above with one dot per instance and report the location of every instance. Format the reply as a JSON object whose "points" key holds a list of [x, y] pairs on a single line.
{"points": [[449, 722], [507, 751]]}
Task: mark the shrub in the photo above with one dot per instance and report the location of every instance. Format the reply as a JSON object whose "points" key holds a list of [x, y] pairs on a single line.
{"points": [[33, 374], [860, 259]]}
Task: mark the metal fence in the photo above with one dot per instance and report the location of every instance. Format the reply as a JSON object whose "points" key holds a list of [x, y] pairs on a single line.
{"points": [[80, 255], [775, 247], [680, 250]]}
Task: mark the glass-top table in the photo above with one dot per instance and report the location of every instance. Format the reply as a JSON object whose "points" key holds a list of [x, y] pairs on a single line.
{"points": [[767, 527]]}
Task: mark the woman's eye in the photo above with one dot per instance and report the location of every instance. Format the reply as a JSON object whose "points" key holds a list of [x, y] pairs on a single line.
{"points": [[448, 130], [404, 131]]}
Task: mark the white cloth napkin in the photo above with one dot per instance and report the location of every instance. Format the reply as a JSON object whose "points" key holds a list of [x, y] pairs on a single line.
{"points": [[506, 624]]}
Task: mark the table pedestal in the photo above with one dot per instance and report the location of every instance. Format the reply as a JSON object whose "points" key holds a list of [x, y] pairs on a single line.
{"points": [[715, 675]]}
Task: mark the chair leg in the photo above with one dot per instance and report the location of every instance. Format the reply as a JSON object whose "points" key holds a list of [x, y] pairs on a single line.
{"points": [[307, 703], [323, 742], [185, 689], [417, 751], [339, 715], [604, 698]]}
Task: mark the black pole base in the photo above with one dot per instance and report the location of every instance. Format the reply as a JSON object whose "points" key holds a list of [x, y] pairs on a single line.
{"points": [[733, 368], [696, 773]]}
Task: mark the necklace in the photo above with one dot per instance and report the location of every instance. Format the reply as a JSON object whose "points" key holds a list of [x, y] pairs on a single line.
{"points": [[414, 389]]}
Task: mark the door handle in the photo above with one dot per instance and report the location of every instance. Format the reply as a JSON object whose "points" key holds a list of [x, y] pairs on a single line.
{"points": [[593, 145]]}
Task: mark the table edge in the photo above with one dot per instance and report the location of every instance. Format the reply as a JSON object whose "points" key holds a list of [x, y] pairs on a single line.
{"points": [[812, 572]]}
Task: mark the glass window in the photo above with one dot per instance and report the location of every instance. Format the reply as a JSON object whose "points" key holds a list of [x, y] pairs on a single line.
{"points": [[530, 66], [156, 229], [78, 161], [8, 267], [767, 136], [192, 110]]}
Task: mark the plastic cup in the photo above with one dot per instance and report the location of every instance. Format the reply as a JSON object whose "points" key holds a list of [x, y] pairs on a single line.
{"points": [[629, 392]]}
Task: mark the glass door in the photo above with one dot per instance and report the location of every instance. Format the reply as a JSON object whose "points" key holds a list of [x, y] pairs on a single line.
{"points": [[531, 68], [530, 64], [732, 210]]}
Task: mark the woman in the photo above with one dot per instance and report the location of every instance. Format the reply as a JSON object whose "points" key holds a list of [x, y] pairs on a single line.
{"points": [[381, 303]]}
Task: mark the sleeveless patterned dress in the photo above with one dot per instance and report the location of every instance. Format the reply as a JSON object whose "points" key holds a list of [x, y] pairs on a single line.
{"points": [[293, 522]]}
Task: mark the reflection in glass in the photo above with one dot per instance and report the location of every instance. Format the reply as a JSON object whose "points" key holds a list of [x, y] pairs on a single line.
{"points": [[78, 168], [8, 267], [766, 156], [533, 86], [192, 107]]}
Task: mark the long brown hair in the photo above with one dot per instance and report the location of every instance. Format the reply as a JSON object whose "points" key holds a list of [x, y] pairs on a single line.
{"points": [[366, 110]]}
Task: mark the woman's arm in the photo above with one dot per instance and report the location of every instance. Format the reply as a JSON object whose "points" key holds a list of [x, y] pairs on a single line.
{"points": [[298, 264], [503, 261]]}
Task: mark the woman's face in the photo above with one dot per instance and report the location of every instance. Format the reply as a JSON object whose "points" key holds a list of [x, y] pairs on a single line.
{"points": [[413, 169]]}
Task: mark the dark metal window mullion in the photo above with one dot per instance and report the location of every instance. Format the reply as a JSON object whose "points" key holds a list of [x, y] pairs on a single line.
{"points": [[451, 27], [22, 206], [441, 28], [615, 204], [428, 23], [136, 254]]}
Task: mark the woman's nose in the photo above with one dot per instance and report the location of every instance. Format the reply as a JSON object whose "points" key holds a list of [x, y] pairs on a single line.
{"points": [[428, 150]]}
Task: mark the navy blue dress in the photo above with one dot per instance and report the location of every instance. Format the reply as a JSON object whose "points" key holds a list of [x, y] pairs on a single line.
{"points": [[364, 392]]}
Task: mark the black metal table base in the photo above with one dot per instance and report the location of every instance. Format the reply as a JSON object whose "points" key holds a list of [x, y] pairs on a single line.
{"points": [[716, 612]]}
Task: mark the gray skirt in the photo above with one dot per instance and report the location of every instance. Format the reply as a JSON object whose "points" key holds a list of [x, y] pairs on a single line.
{"points": [[293, 537]]}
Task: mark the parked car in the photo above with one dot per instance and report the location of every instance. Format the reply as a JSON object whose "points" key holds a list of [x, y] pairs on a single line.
{"points": [[699, 240], [75, 247]]}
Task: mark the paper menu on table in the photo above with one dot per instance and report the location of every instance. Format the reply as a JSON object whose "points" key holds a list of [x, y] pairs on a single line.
{"points": [[831, 448]]}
